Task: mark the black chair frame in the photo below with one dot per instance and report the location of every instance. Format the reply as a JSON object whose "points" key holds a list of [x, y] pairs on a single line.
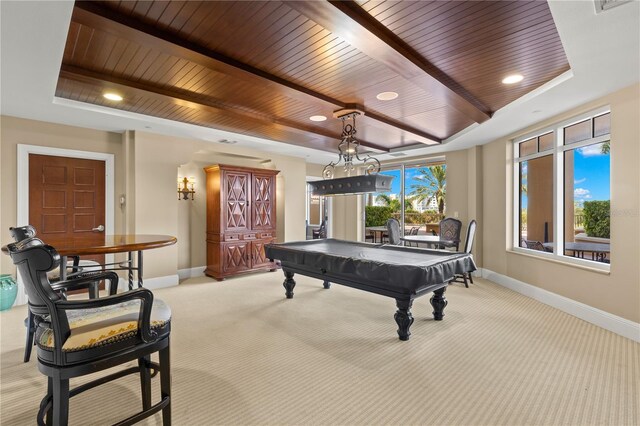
{"points": [[21, 233], [468, 246], [321, 232], [34, 260]]}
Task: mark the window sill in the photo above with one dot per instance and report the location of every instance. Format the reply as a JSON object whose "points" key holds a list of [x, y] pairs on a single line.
{"points": [[564, 260]]}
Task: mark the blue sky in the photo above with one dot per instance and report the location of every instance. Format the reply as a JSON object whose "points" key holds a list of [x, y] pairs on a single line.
{"points": [[410, 179], [591, 177], [592, 171]]}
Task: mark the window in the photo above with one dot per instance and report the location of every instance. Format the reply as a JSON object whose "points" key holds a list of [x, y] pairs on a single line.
{"points": [[562, 190]]}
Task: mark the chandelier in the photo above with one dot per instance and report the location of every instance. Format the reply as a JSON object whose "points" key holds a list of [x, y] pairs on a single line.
{"points": [[348, 148]]}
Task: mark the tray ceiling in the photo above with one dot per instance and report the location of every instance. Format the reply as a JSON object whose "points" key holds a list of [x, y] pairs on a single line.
{"points": [[263, 68]]}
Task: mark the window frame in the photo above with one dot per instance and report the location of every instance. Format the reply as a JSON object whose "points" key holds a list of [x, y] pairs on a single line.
{"points": [[559, 148]]}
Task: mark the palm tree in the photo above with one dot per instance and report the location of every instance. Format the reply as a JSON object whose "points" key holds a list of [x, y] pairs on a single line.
{"points": [[432, 185], [394, 203]]}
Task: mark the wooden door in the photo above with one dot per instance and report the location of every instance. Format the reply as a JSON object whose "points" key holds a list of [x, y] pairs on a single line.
{"points": [[263, 211], [66, 198], [236, 200]]}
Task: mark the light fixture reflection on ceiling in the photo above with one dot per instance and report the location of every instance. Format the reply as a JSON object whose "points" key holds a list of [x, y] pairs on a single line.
{"points": [[387, 96], [371, 181], [513, 78], [317, 118], [113, 96]]}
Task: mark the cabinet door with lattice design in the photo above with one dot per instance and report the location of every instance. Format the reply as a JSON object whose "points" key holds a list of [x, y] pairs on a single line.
{"points": [[235, 257], [258, 258], [236, 201], [263, 212]]}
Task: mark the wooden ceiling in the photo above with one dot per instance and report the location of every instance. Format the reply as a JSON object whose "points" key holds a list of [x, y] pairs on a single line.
{"points": [[262, 68]]}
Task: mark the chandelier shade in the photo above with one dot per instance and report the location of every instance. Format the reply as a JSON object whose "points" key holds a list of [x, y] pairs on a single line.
{"points": [[352, 185], [348, 148]]}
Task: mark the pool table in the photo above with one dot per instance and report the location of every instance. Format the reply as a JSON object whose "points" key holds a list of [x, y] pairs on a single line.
{"points": [[403, 273]]}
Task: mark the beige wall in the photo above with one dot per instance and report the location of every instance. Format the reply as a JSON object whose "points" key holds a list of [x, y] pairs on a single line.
{"points": [[157, 205], [617, 292], [479, 186], [14, 131], [146, 168]]}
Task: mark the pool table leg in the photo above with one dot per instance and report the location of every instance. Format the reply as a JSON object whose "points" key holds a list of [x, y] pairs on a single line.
{"points": [[403, 318], [438, 302], [326, 284], [289, 284]]}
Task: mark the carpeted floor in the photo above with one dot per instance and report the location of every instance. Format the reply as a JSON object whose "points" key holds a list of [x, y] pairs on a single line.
{"points": [[243, 354]]}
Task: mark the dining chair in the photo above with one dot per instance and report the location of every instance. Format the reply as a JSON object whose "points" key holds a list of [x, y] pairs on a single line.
{"points": [[393, 230], [20, 233], [450, 229], [413, 231], [321, 232], [468, 246], [369, 236], [81, 337]]}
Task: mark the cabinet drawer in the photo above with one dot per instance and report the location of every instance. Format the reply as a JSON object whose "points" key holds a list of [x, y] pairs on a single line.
{"points": [[266, 234], [249, 236], [232, 237]]}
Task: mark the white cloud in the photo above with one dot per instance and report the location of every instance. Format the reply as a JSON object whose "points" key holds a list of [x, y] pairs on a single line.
{"points": [[591, 150], [577, 181], [581, 193]]}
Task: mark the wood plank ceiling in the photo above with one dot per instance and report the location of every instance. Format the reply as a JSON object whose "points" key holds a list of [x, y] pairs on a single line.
{"points": [[262, 68]]}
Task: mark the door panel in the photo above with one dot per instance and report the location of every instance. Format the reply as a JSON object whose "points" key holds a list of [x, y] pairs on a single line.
{"points": [[263, 210], [235, 257], [236, 214], [258, 257], [66, 198]]}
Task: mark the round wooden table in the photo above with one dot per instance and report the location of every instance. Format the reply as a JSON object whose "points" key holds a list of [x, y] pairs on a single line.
{"points": [[108, 244]]}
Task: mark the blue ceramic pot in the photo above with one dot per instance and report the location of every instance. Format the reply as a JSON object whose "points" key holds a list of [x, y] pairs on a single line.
{"points": [[8, 291]]}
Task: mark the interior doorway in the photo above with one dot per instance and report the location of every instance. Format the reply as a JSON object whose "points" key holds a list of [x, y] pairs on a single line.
{"points": [[23, 189]]}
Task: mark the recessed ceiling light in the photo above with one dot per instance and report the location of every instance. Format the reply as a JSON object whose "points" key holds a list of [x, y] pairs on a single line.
{"points": [[112, 96], [513, 78], [317, 118], [386, 96]]}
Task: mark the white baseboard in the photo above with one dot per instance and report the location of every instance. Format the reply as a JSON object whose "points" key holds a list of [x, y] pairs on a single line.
{"points": [[198, 271], [613, 323]]}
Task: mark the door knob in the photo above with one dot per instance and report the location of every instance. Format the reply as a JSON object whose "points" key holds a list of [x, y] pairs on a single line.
{"points": [[98, 229]]}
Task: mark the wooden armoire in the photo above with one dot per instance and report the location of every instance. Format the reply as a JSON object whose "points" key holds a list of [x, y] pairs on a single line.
{"points": [[241, 219]]}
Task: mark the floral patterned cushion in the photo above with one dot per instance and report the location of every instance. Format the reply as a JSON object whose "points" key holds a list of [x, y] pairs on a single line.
{"points": [[100, 326]]}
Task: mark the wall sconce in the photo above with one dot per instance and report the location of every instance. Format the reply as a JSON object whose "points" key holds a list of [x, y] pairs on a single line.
{"points": [[186, 187]]}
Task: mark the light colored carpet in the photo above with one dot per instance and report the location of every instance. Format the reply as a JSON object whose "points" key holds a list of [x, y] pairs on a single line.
{"points": [[243, 354]]}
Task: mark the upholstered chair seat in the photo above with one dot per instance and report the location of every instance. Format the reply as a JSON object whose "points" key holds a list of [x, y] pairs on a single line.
{"points": [[108, 324]]}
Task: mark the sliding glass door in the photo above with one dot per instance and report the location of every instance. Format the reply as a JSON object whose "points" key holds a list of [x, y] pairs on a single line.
{"points": [[416, 200]]}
